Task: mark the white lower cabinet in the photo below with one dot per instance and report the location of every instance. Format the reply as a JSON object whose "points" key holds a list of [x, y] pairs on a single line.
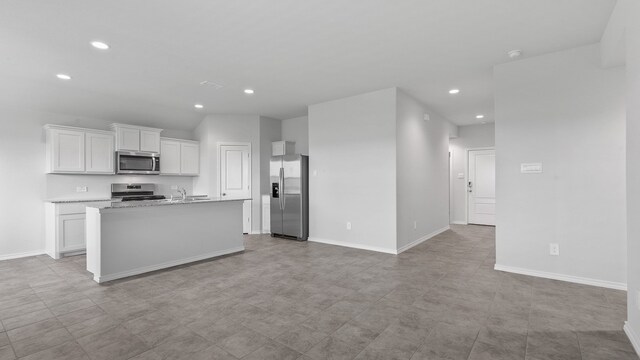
{"points": [[65, 228], [71, 232]]}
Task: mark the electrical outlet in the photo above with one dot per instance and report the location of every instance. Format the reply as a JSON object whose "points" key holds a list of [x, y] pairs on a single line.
{"points": [[81, 189], [174, 187], [348, 225], [415, 225], [554, 249]]}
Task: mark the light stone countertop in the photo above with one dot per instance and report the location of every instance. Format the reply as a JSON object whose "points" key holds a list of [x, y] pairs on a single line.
{"points": [[69, 201], [148, 203]]}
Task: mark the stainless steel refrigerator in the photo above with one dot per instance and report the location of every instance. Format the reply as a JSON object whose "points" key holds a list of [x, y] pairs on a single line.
{"points": [[290, 196]]}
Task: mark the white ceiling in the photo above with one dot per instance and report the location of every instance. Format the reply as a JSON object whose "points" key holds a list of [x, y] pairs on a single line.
{"points": [[293, 53]]}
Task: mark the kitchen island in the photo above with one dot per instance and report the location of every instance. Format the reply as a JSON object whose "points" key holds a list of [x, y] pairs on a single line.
{"points": [[131, 238]]}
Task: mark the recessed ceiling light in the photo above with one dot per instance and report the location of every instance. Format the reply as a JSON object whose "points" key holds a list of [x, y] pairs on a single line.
{"points": [[248, 91], [63, 77], [100, 45], [198, 106], [480, 116], [454, 91]]}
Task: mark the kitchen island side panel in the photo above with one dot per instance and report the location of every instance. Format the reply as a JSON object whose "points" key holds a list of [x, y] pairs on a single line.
{"points": [[136, 240]]}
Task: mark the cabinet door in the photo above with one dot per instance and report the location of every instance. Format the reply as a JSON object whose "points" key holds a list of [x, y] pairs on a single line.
{"points": [[128, 139], [71, 232], [99, 153], [149, 141], [67, 151], [169, 157], [189, 159]]}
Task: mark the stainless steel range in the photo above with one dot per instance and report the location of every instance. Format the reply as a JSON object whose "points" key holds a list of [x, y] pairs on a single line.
{"points": [[134, 192]]}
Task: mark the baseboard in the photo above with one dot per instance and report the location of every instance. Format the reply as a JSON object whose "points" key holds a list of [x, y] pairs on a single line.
{"points": [[562, 277], [422, 239], [352, 245], [256, 232], [146, 269], [21, 255], [633, 337], [459, 222]]}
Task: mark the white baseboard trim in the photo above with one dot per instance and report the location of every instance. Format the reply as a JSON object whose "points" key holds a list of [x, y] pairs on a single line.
{"points": [[562, 277], [423, 239], [633, 337], [459, 222], [146, 269], [256, 232], [353, 245], [21, 255]]}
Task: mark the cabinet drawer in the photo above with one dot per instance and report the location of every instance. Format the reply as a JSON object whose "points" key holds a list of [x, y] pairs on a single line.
{"points": [[71, 208]]}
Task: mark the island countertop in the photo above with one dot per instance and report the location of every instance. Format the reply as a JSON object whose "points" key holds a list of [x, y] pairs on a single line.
{"points": [[165, 202]]}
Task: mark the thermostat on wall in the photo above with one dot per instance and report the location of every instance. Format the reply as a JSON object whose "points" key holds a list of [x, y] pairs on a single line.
{"points": [[531, 168]]}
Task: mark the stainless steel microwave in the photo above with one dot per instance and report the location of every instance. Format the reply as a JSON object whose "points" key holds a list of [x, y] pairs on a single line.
{"points": [[132, 162]]}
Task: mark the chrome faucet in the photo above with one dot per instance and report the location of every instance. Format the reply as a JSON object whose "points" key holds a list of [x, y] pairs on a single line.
{"points": [[183, 192]]}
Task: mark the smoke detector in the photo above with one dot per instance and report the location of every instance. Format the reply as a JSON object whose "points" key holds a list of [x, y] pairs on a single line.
{"points": [[514, 54], [211, 84]]}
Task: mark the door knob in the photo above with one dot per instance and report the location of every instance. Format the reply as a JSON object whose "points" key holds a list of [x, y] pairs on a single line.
{"points": [[224, 194]]}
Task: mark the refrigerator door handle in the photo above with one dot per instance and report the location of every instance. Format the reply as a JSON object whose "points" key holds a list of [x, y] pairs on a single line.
{"points": [[281, 189]]}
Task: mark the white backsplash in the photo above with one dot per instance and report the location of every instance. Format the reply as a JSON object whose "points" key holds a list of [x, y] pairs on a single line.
{"points": [[99, 186]]}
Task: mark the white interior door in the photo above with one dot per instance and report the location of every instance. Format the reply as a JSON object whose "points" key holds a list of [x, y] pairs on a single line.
{"points": [[235, 177], [481, 187]]}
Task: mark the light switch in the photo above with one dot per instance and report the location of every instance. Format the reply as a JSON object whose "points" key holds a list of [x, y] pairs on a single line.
{"points": [[460, 175], [531, 168], [315, 172]]}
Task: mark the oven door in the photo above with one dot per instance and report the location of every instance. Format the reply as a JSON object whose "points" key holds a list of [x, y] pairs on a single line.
{"points": [[137, 163]]}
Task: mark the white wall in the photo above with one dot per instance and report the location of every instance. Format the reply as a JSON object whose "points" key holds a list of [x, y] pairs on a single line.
{"points": [[352, 148], [270, 131], [563, 110], [633, 167], [422, 156], [26, 186], [468, 137], [297, 129], [217, 128]]}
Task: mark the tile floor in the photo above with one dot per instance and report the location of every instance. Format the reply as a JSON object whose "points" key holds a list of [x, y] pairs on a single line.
{"points": [[288, 300]]}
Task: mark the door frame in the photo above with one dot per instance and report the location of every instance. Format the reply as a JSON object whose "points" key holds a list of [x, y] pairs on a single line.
{"points": [[219, 145], [466, 178]]}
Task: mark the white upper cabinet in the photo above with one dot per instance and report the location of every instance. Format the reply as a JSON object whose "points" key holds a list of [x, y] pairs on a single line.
{"points": [[169, 157], [150, 141], [128, 139], [137, 138], [179, 157], [99, 153], [65, 150], [79, 151], [189, 158]]}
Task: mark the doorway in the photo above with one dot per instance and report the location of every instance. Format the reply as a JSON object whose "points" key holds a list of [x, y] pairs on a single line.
{"points": [[234, 181], [481, 187]]}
